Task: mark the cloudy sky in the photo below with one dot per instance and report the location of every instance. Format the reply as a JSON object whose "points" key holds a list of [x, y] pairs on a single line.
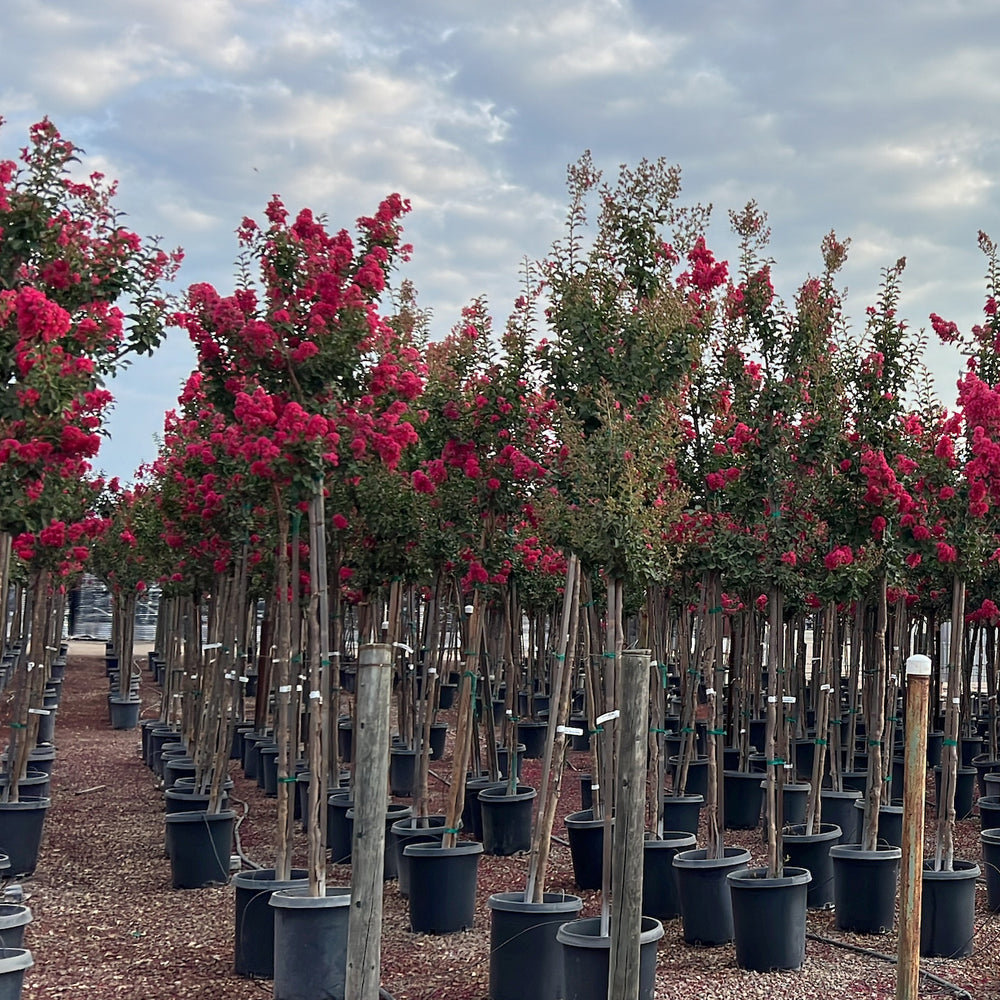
{"points": [[876, 120]]}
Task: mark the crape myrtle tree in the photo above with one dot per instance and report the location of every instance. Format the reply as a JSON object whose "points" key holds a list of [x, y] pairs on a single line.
{"points": [[79, 294]]}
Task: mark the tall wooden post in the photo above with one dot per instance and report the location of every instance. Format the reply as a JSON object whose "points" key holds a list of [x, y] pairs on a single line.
{"points": [[911, 876], [630, 804], [371, 777]]}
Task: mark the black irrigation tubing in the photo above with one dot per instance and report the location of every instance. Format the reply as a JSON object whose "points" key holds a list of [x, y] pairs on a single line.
{"points": [[957, 991]]}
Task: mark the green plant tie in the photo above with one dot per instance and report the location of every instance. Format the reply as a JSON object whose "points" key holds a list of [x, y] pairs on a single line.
{"points": [[468, 652], [716, 610], [285, 781], [297, 658], [949, 743], [610, 656], [474, 683], [775, 513], [777, 762], [791, 719], [693, 671], [663, 673], [324, 662], [687, 729], [874, 743], [451, 829], [587, 604], [18, 725], [836, 722], [717, 732], [820, 743], [888, 777], [559, 656], [653, 729], [594, 732]]}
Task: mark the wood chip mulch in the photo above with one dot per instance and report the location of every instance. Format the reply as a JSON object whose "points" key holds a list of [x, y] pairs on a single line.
{"points": [[108, 924]]}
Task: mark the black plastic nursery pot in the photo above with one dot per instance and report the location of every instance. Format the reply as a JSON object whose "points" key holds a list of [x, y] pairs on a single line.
{"points": [[472, 811], [394, 812], [124, 712], [35, 783], [948, 910], [586, 958], [586, 847], [523, 936], [402, 771], [769, 918], [890, 824], [743, 797], [269, 770], [532, 734], [984, 765], [697, 776], [254, 942], [659, 880], [310, 943], [990, 842], [439, 735], [682, 812], [811, 852], [965, 790], [21, 826], [506, 819], [338, 831], [413, 830], [989, 812], [838, 808], [14, 917], [864, 887], [40, 758], [14, 962], [199, 845], [443, 886], [706, 902]]}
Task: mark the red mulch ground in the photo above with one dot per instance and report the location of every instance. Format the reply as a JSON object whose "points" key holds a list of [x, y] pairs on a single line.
{"points": [[108, 924]]}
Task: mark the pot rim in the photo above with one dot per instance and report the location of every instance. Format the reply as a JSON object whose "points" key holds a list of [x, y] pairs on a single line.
{"points": [[968, 870], [196, 816], [573, 933], [732, 857], [27, 802], [462, 848], [298, 898], [882, 852], [670, 838], [498, 792], [552, 902], [751, 878], [827, 831], [14, 915], [258, 879], [15, 959]]}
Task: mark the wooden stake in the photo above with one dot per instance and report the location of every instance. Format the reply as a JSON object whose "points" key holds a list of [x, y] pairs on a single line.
{"points": [[911, 875], [371, 774], [630, 800]]}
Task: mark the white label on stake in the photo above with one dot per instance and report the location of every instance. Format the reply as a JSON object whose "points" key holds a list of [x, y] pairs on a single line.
{"points": [[595, 788], [570, 730], [244, 680], [788, 699], [709, 692], [825, 687], [285, 689], [406, 649], [31, 666], [772, 699], [607, 717], [315, 695], [38, 711], [432, 671], [212, 645]]}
